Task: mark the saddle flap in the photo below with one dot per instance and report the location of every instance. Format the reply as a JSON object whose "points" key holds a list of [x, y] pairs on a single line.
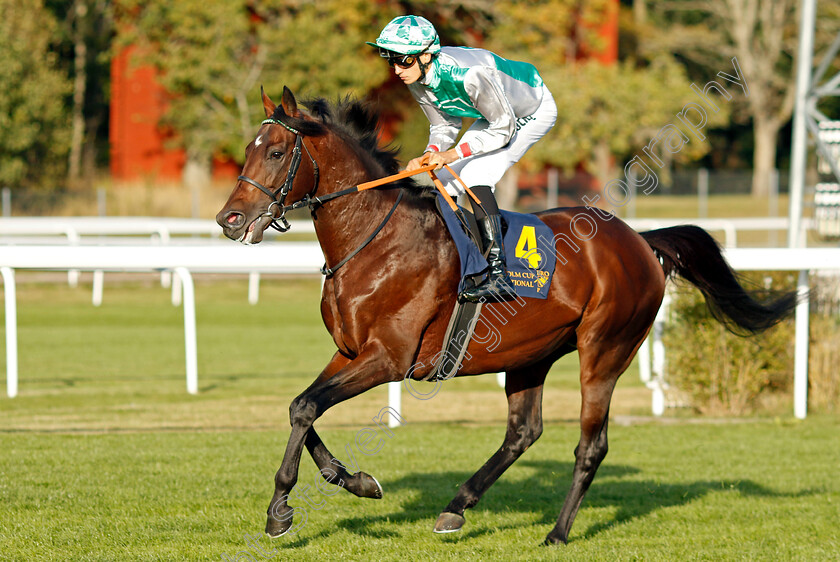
{"points": [[529, 251]]}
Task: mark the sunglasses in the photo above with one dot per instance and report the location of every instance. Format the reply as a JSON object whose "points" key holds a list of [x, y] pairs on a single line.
{"points": [[396, 59]]}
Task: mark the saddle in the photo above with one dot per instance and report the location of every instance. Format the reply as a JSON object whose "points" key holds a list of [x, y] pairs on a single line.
{"points": [[530, 261]]}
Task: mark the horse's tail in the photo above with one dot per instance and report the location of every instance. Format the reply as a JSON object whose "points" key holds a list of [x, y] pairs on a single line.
{"points": [[690, 252]]}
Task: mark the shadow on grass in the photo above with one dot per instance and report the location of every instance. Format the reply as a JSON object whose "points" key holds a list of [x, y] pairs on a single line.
{"points": [[543, 493]]}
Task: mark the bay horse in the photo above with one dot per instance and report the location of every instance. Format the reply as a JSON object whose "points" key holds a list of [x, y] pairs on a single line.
{"points": [[392, 285]]}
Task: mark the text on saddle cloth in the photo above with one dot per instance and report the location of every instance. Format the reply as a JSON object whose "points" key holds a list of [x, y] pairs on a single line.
{"points": [[530, 259]]}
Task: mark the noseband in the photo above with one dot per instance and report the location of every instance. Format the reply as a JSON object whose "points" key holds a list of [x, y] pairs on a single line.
{"points": [[283, 190]]}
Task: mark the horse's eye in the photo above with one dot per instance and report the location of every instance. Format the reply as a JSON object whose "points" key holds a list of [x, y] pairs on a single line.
{"points": [[276, 155]]}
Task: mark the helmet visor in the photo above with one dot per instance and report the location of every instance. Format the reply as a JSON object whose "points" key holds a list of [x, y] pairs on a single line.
{"points": [[397, 59]]}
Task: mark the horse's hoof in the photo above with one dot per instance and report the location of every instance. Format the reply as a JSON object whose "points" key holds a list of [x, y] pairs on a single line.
{"points": [[278, 525], [553, 539], [449, 522], [366, 486]]}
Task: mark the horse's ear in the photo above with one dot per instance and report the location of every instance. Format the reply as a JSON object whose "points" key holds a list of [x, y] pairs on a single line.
{"points": [[289, 103], [268, 105]]}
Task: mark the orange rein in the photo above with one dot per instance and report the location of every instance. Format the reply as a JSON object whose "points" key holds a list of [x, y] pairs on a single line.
{"points": [[430, 168]]}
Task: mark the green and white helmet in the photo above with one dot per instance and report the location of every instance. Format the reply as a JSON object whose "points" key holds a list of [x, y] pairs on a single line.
{"points": [[408, 35]]}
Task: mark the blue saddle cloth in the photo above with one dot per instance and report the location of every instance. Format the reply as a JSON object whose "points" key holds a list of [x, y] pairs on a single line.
{"points": [[530, 259]]}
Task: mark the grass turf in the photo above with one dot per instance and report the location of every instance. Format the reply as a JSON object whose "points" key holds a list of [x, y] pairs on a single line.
{"points": [[708, 491], [105, 456]]}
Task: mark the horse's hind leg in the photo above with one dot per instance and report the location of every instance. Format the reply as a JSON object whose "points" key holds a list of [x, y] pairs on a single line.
{"points": [[524, 394], [600, 368]]}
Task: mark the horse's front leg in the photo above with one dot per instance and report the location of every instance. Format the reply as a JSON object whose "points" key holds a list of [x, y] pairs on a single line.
{"points": [[371, 368], [332, 470], [360, 483]]}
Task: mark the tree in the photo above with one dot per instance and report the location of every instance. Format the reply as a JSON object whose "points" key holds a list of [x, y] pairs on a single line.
{"points": [[762, 36], [614, 111], [605, 112], [88, 32], [80, 20], [211, 58], [36, 128]]}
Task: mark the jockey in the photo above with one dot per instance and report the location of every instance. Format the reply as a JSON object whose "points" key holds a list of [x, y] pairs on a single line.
{"points": [[512, 107]]}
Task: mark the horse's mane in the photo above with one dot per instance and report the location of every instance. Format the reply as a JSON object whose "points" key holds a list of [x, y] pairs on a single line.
{"points": [[357, 121]]}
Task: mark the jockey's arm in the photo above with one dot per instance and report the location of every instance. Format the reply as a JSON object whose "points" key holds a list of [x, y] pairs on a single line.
{"points": [[488, 97]]}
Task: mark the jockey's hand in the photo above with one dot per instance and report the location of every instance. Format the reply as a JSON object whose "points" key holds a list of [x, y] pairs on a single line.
{"points": [[417, 163], [438, 159]]}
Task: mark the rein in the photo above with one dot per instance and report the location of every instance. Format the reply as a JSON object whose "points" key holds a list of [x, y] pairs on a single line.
{"points": [[312, 202]]}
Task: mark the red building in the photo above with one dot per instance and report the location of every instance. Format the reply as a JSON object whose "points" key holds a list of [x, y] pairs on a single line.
{"points": [[138, 145]]}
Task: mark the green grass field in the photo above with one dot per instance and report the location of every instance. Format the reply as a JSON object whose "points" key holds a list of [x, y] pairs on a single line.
{"points": [[106, 457]]}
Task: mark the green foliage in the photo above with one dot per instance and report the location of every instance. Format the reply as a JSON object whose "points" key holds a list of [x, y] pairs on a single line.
{"points": [[824, 346], [319, 49], [724, 374], [549, 33], [33, 116], [212, 58], [619, 107], [614, 109]]}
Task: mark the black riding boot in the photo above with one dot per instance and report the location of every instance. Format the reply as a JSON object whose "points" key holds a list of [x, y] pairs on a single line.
{"points": [[497, 286]]}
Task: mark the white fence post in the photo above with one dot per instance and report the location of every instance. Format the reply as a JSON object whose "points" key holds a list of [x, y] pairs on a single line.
{"points": [[254, 287], [644, 359], [654, 358], [190, 345], [73, 274], [395, 402], [176, 290], [800, 360], [98, 286], [11, 331]]}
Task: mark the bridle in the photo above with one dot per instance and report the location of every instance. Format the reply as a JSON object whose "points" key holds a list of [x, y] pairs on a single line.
{"points": [[308, 200], [283, 190]]}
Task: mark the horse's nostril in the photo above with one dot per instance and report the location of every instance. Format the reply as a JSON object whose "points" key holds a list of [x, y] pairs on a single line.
{"points": [[233, 219]]}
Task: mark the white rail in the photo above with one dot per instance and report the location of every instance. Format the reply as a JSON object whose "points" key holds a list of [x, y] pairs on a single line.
{"points": [[76, 227], [117, 231], [729, 227], [287, 257], [306, 257]]}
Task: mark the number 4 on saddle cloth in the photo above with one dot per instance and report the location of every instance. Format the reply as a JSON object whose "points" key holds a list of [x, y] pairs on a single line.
{"points": [[530, 263], [528, 252]]}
